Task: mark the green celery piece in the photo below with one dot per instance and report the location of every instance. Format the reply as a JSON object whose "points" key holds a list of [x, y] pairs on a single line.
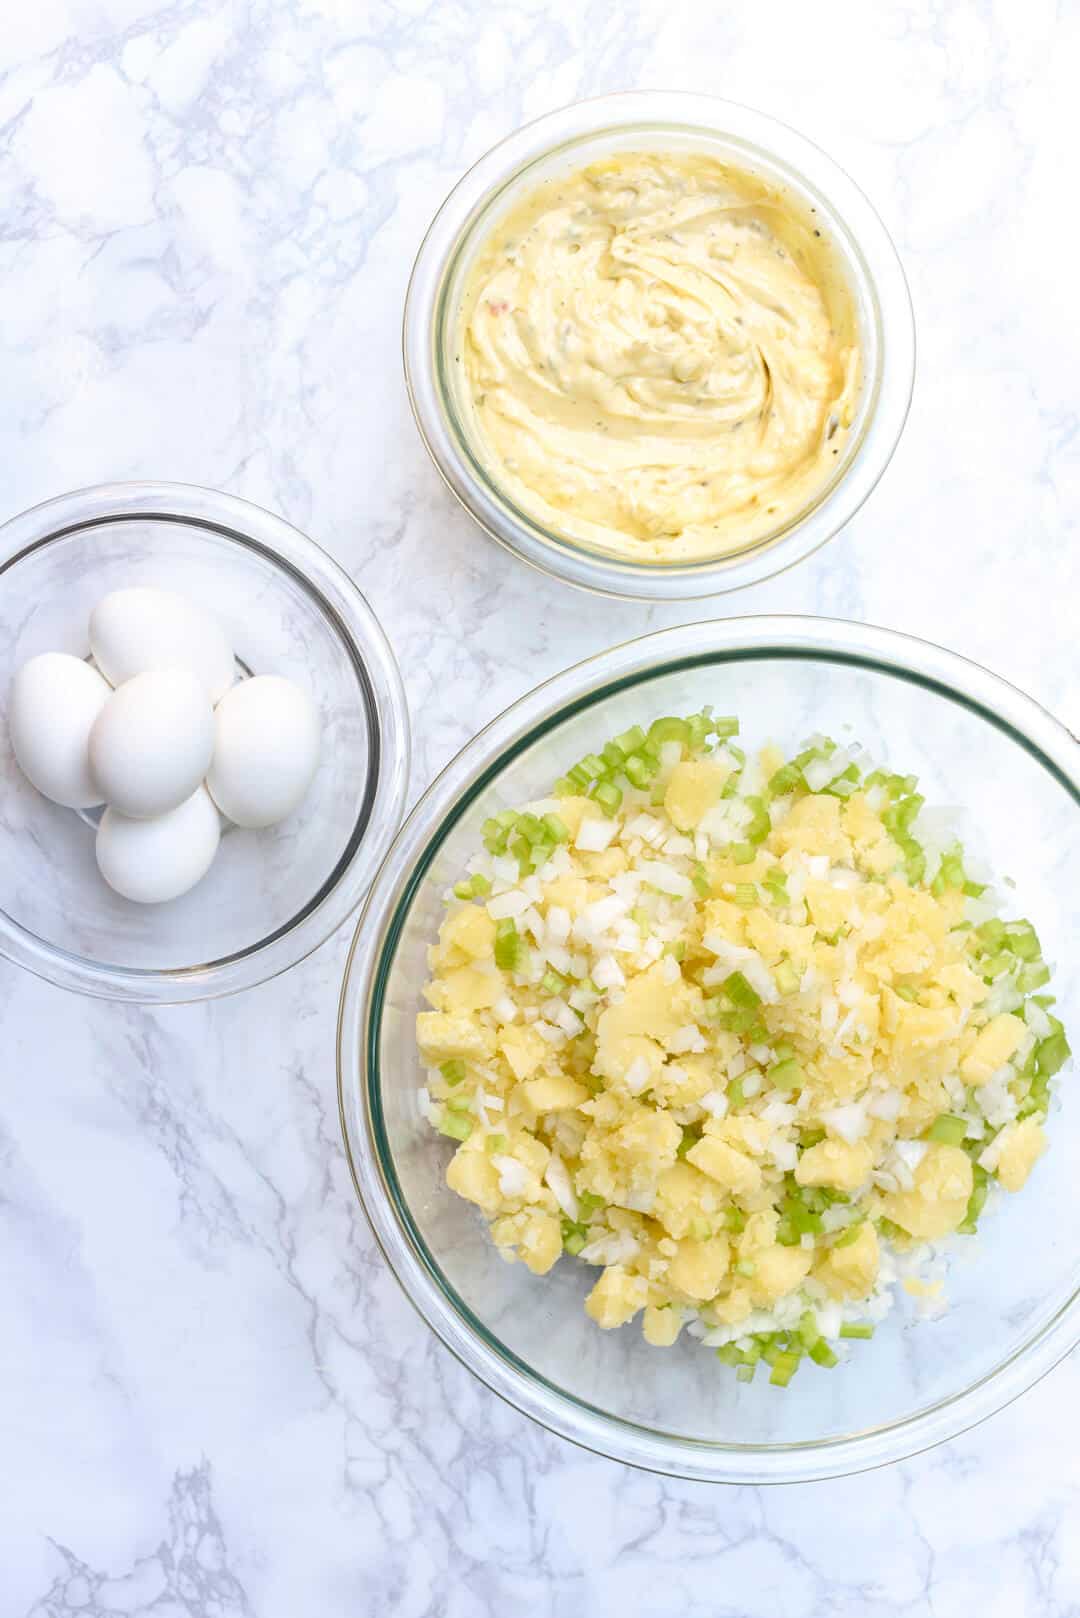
{"points": [[784, 1368], [608, 796], [861, 1331], [822, 1354], [739, 991], [787, 1074], [494, 1144], [743, 853], [1052, 1053], [760, 825], [784, 780], [455, 1126], [453, 1071], [690, 1137], [786, 978], [700, 880], [669, 730], [629, 741], [508, 945], [948, 1129], [556, 828]]}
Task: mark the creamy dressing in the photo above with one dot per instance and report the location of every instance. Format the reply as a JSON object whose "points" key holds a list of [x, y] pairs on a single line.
{"points": [[660, 357]]}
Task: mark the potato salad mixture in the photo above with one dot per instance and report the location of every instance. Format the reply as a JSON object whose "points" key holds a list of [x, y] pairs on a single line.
{"points": [[744, 1034]]}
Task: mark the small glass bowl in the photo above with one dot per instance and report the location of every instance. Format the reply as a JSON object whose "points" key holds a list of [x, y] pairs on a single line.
{"points": [[272, 896], [652, 120], [1013, 1291]]}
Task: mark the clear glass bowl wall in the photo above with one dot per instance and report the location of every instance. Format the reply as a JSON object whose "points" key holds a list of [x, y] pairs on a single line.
{"points": [[1012, 1290]]}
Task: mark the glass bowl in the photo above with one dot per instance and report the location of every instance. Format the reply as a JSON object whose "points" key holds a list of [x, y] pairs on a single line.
{"points": [[1014, 1300], [271, 896], [568, 139]]}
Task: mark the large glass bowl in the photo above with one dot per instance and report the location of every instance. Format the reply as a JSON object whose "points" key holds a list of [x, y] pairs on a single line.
{"points": [[657, 121], [1014, 1303], [271, 896]]}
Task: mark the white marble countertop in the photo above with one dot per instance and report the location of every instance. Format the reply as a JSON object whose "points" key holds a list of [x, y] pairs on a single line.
{"points": [[214, 1401]]}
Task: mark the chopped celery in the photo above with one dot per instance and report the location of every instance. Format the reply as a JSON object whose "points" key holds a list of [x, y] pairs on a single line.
{"points": [[786, 978], [1022, 939], [861, 1330], [760, 825], [724, 728], [454, 1126], [1052, 1053], [588, 1202], [608, 796], [786, 779], [739, 991], [557, 829], [639, 770], [743, 853], [745, 1372], [784, 1367], [699, 878], [850, 1233], [735, 1220], [509, 947], [822, 1354], [787, 1074], [735, 1096], [495, 1144], [676, 949], [690, 1137], [948, 1129], [554, 982], [630, 740], [1032, 975], [991, 933], [669, 730]]}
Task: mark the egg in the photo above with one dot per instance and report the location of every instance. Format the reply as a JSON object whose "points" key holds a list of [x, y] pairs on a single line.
{"points": [[266, 750], [150, 861], [141, 628], [55, 700], [151, 744]]}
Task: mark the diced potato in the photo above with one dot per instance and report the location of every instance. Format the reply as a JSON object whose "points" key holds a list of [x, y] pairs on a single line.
{"points": [[523, 1048], [553, 1093], [939, 1199], [616, 1297], [571, 892], [617, 1058], [850, 1272], [698, 1267], [473, 1176], [443, 1036], [679, 1193], [470, 989], [693, 788], [836, 1164], [738, 1174], [734, 1306], [778, 1271], [813, 827], [1018, 1148], [661, 1326], [541, 1242], [648, 1137], [650, 1005], [829, 908], [470, 930], [875, 851], [993, 1047]]}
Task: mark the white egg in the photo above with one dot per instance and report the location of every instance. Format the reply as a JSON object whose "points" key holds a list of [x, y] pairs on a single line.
{"points": [[54, 702], [151, 861], [266, 750], [152, 742], [134, 630]]}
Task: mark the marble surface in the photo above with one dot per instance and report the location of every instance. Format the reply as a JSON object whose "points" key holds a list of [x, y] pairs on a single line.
{"points": [[213, 1399]]}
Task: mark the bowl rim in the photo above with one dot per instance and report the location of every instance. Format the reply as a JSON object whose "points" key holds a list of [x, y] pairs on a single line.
{"points": [[864, 242], [947, 673], [272, 538]]}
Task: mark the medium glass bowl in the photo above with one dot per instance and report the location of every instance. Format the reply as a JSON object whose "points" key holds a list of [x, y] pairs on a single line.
{"points": [[975, 742], [271, 896], [657, 120]]}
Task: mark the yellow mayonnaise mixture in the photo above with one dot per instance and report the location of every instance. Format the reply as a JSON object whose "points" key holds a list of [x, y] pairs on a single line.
{"points": [[745, 1050], [660, 357]]}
